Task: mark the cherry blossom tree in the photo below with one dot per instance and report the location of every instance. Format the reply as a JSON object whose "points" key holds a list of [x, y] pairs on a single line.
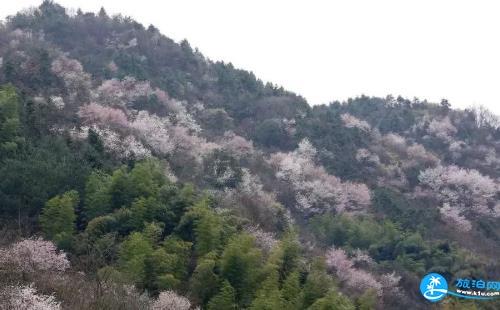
{"points": [[453, 217], [315, 190], [257, 204], [35, 254], [27, 298], [237, 145], [265, 240], [442, 129], [365, 155], [169, 300], [123, 92], [165, 138], [94, 113], [353, 122], [466, 190], [125, 147], [58, 102], [356, 279], [76, 80], [155, 131]]}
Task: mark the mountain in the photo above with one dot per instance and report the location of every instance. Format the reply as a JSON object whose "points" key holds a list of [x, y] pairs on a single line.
{"points": [[138, 174]]}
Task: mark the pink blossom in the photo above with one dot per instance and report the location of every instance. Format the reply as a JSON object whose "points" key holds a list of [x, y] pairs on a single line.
{"points": [[454, 218], [356, 279], [74, 77], [237, 145], [94, 113], [315, 190], [123, 92]]}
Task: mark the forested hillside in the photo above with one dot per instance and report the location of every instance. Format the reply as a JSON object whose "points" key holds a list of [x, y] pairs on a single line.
{"points": [[137, 174]]}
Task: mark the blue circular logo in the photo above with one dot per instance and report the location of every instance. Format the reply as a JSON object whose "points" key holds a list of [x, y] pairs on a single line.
{"points": [[434, 287]]}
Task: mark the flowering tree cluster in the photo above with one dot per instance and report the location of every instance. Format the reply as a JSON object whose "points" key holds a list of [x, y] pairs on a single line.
{"points": [[236, 145], [144, 133], [315, 190], [264, 240], [259, 205], [164, 137], [169, 300], [453, 217], [125, 147], [76, 80], [410, 154], [36, 254], [393, 155], [353, 122], [94, 113], [58, 102], [27, 298], [123, 92], [366, 156], [442, 129], [155, 132], [466, 190], [356, 279]]}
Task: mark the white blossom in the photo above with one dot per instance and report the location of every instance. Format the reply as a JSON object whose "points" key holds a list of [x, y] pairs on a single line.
{"points": [[465, 189], [58, 102], [353, 122], [442, 129], [453, 217], [76, 80], [169, 300], [27, 298], [30, 255], [315, 190], [265, 240]]}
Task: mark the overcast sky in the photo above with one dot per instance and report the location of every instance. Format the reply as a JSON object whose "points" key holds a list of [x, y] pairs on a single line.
{"points": [[333, 50]]}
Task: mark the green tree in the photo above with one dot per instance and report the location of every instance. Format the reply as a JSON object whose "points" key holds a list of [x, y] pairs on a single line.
{"points": [[291, 292], [97, 195], [132, 255], [317, 284], [204, 280], [10, 124], [333, 301], [203, 225], [367, 301], [225, 299], [58, 216], [268, 297], [240, 265]]}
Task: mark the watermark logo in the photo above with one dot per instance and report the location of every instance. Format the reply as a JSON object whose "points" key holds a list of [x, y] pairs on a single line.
{"points": [[434, 287]]}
